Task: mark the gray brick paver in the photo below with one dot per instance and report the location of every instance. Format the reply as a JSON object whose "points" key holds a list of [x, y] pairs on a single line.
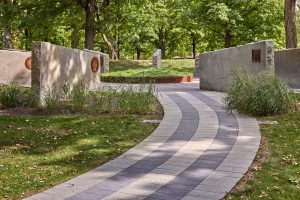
{"points": [[206, 166]]}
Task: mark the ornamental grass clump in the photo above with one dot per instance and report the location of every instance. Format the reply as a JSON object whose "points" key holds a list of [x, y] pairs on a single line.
{"points": [[261, 95], [9, 95]]}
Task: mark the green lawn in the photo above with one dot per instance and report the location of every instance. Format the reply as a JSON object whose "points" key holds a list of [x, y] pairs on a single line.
{"points": [[279, 176], [38, 152], [143, 68]]}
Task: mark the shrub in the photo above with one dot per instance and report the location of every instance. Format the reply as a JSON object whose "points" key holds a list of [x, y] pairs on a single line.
{"points": [[9, 95], [260, 95]]}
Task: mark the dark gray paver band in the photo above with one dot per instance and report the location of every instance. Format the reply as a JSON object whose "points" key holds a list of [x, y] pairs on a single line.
{"points": [[190, 178], [198, 152], [186, 130]]}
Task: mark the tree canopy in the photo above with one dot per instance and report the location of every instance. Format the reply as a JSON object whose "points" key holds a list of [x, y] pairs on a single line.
{"points": [[135, 28]]}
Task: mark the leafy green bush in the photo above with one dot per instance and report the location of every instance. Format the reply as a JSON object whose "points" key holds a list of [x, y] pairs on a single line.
{"points": [[9, 95], [260, 95]]}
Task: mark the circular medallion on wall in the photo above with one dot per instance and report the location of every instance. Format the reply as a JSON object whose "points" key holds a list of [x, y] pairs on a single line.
{"points": [[28, 63], [95, 64]]}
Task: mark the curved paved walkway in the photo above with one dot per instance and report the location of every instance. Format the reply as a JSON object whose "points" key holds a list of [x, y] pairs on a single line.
{"points": [[198, 152]]}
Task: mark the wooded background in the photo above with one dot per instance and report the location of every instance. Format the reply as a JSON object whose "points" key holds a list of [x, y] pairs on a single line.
{"points": [[133, 29]]}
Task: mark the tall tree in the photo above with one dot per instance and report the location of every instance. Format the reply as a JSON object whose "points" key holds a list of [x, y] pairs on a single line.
{"points": [[239, 21], [8, 10], [89, 7], [290, 24]]}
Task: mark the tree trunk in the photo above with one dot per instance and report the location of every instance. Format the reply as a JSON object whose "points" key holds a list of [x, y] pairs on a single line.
{"points": [[28, 39], [116, 48], [75, 37], [194, 44], [113, 51], [74, 43], [119, 51], [90, 10], [138, 54], [112, 43], [290, 24], [162, 43], [7, 37], [228, 38]]}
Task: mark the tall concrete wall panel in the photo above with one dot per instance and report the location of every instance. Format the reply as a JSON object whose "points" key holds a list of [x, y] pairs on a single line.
{"points": [[287, 66], [13, 68], [104, 62], [54, 65], [215, 68], [197, 67]]}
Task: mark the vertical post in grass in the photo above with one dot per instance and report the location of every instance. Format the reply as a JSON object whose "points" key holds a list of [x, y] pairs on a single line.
{"points": [[156, 60]]}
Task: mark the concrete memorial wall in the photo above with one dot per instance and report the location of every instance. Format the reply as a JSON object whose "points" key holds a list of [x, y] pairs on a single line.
{"points": [[287, 66], [104, 62], [54, 65], [215, 68], [156, 59], [197, 66], [15, 67]]}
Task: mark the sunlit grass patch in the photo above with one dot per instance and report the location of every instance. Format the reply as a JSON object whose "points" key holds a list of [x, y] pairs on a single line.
{"points": [[143, 69], [41, 151]]}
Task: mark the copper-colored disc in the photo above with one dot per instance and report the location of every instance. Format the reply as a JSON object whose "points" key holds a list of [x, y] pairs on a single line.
{"points": [[28, 63], [95, 64]]}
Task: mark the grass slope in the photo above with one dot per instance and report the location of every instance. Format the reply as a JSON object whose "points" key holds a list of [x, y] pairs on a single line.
{"points": [[143, 68], [38, 152]]}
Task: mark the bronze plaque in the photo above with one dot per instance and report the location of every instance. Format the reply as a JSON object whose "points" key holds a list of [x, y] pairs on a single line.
{"points": [[95, 64], [28, 63], [256, 55]]}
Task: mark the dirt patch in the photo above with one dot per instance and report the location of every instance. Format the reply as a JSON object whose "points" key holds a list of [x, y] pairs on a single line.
{"points": [[262, 156]]}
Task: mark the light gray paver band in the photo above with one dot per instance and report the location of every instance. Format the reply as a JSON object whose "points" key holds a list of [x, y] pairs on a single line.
{"points": [[228, 147], [187, 128], [190, 178]]}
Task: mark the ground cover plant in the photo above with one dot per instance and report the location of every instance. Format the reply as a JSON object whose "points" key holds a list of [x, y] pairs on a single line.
{"points": [[128, 71], [279, 176], [261, 95]]}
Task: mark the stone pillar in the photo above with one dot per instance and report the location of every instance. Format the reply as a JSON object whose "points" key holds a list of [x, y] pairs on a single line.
{"points": [[36, 68], [156, 60]]}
